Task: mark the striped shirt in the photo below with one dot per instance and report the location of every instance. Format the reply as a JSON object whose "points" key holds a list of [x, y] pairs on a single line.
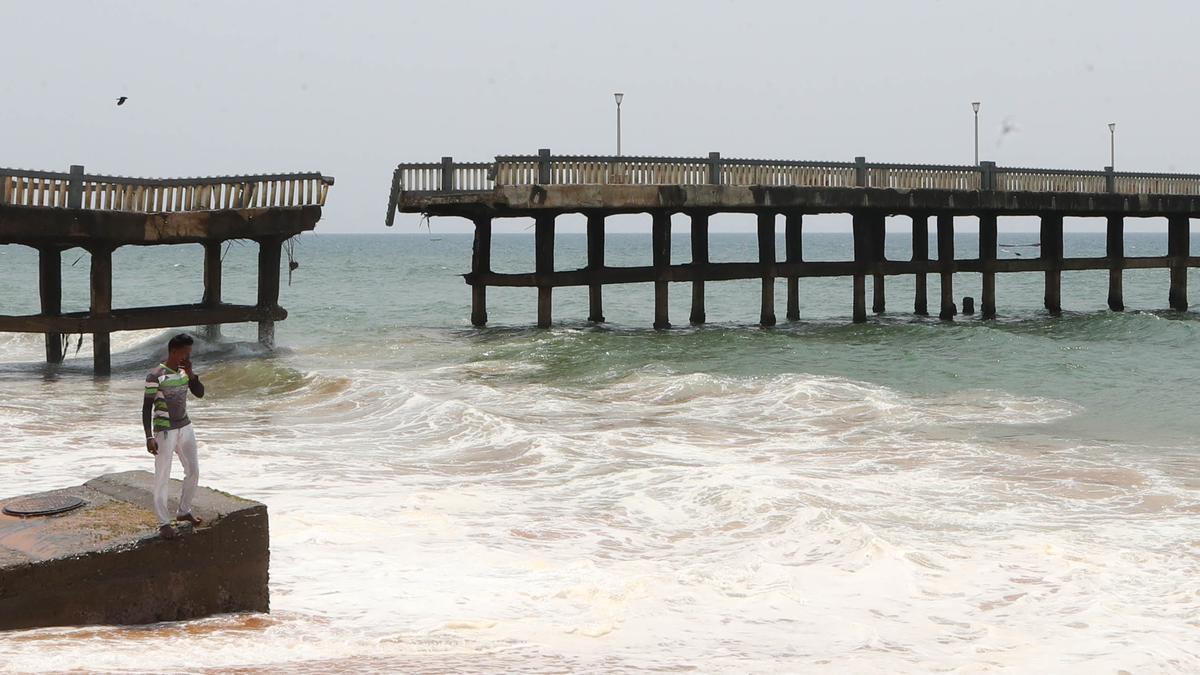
{"points": [[169, 389]]}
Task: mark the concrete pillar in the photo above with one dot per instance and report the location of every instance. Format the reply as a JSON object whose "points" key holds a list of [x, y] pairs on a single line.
{"points": [[1177, 249], [699, 265], [595, 263], [793, 244], [766, 263], [878, 236], [544, 166], [481, 264], [269, 253], [920, 248], [75, 187], [714, 168], [1052, 253], [50, 291], [447, 174], [862, 256], [987, 256], [101, 306], [660, 235], [543, 244], [1115, 251], [212, 285], [860, 298], [945, 243]]}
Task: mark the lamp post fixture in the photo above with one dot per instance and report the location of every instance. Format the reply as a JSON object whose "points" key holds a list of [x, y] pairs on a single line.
{"points": [[975, 107], [618, 96], [1112, 144]]}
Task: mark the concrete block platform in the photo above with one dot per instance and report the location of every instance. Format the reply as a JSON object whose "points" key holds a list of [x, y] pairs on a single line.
{"points": [[104, 563]]}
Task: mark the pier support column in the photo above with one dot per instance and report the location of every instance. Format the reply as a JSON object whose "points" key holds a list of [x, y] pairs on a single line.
{"points": [[660, 235], [543, 244], [1115, 251], [793, 244], [101, 306], [212, 285], [945, 242], [269, 253], [50, 292], [1052, 253], [481, 264], [860, 298], [862, 256], [920, 248], [699, 265], [595, 265], [1177, 250], [878, 236], [766, 263], [987, 258]]}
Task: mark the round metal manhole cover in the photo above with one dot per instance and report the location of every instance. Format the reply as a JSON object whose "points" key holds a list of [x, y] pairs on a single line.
{"points": [[42, 505]]}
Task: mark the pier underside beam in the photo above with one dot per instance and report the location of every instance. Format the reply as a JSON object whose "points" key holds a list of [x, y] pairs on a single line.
{"points": [[140, 318], [730, 271]]}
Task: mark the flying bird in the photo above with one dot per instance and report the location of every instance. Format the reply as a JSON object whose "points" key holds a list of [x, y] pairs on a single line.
{"points": [[121, 101], [1008, 126]]}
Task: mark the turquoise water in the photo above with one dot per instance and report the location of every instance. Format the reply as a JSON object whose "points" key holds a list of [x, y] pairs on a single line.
{"points": [[896, 496]]}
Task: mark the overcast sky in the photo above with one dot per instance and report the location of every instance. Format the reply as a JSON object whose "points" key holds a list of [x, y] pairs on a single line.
{"points": [[352, 88]]}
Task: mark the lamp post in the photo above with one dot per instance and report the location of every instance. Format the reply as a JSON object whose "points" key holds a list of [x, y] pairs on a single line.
{"points": [[618, 96], [1112, 144], [975, 107]]}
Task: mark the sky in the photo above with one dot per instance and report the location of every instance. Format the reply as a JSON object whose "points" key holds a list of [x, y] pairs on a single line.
{"points": [[352, 88]]}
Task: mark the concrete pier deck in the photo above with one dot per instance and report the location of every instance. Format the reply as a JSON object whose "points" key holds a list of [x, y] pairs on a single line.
{"points": [[545, 186], [104, 563], [55, 212]]}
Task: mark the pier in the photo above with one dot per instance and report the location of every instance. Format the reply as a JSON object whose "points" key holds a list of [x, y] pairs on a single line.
{"points": [[53, 212], [545, 186]]}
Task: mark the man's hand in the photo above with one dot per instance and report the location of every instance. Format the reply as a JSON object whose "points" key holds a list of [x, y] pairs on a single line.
{"points": [[152, 446], [187, 368]]}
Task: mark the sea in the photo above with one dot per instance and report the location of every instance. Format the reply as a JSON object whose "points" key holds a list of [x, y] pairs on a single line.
{"points": [[905, 495]]}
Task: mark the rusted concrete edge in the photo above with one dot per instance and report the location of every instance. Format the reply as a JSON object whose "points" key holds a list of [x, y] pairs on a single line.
{"points": [[529, 200]]}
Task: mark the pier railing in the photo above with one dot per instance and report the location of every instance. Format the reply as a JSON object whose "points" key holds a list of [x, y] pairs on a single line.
{"points": [[79, 190], [449, 177]]}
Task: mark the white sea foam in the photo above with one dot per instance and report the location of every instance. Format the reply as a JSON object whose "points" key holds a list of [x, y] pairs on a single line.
{"points": [[461, 517]]}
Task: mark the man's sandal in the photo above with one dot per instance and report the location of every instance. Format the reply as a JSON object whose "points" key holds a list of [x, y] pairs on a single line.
{"points": [[196, 522]]}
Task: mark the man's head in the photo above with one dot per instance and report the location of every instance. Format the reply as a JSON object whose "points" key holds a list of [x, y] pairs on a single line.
{"points": [[179, 349]]}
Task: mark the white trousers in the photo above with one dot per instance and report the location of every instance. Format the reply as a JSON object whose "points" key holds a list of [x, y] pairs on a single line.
{"points": [[181, 441]]}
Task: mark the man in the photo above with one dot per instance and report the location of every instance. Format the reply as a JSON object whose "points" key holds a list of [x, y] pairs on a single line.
{"points": [[169, 431]]}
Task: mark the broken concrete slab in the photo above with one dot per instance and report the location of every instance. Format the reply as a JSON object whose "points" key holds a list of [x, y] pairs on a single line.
{"points": [[104, 563]]}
